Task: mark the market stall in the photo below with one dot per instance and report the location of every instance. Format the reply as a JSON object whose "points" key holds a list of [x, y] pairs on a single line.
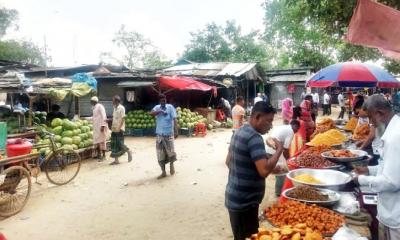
{"points": [[318, 191]]}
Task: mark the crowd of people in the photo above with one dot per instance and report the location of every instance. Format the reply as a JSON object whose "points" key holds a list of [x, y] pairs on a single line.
{"points": [[250, 163]]}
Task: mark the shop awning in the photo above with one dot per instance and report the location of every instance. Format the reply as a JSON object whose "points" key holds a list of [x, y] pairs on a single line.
{"points": [[185, 83], [133, 84]]}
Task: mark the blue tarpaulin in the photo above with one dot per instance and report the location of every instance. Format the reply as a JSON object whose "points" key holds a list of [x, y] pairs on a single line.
{"points": [[85, 78]]}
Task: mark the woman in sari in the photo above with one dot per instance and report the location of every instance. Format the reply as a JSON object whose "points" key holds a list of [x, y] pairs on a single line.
{"points": [[287, 111], [306, 108], [300, 137]]}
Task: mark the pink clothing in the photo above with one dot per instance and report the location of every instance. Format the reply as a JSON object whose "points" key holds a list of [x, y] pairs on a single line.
{"points": [[287, 109], [376, 25], [99, 120], [306, 117]]}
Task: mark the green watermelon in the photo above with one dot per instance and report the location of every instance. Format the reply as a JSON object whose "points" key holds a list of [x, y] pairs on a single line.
{"points": [[66, 140], [57, 138], [68, 133], [77, 132], [83, 136], [74, 147], [68, 147], [76, 140], [58, 130]]}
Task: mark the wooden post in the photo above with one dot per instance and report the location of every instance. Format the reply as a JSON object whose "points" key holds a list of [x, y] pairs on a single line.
{"points": [[30, 110], [247, 91], [77, 112]]}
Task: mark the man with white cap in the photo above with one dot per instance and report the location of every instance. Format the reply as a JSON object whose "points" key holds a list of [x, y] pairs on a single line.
{"points": [[100, 127]]}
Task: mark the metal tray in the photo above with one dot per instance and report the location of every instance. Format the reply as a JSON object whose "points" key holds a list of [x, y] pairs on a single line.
{"points": [[334, 197], [330, 178], [360, 155]]}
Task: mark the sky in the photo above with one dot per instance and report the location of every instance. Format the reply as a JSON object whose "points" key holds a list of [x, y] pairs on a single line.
{"points": [[77, 31]]}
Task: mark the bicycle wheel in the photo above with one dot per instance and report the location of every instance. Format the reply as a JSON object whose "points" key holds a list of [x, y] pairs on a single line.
{"points": [[62, 166], [15, 188]]}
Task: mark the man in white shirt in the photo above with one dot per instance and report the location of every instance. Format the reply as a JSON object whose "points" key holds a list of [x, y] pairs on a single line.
{"points": [[118, 147], [384, 179], [315, 98], [258, 98], [341, 105], [284, 134], [325, 105]]}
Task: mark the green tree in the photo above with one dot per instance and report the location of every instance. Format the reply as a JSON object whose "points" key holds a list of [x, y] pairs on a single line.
{"points": [[21, 51], [226, 43], [17, 50], [138, 50], [311, 31]]}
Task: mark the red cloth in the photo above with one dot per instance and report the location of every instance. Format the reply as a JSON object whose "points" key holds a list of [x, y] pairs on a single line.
{"points": [[376, 25], [185, 83]]}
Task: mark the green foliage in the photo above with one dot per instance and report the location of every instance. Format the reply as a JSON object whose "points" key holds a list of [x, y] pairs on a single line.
{"points": [[21, 51], [392, 66], [217, 43], [139, 51], [310, 32], [17, 50]]}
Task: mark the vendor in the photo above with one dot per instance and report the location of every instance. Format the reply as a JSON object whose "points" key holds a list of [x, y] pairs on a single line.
{"points": [[284, 134], [55, 113], [384, 179]]}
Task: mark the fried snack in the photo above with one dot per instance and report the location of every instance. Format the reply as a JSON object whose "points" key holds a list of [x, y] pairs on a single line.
{"points": [[307, 178], [328, 138], [361, 132], [307, 193], [351, 124], [341, 153], [323, 125], [291, 213], [297, 232], [311, 158]]}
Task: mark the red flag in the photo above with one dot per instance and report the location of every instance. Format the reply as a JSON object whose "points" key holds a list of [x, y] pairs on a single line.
{"points": [[376, 25]]}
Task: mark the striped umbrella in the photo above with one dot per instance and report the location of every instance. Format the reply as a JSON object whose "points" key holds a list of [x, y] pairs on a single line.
{"points": [[353, 74]]}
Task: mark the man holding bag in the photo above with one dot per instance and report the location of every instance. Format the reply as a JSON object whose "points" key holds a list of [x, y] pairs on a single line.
{"points": [[284, 134]]}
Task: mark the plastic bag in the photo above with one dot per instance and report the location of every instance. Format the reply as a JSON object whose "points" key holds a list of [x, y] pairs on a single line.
{"points": [[345, 233], [281, 167], [347, 204]]}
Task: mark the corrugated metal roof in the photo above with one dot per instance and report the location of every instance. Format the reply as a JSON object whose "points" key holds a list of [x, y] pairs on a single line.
{"points": [[132, 84], [215, 69]]}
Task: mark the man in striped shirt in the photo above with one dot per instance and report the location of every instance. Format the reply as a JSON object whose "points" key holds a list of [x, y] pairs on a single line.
{"points": [[248, 167]]}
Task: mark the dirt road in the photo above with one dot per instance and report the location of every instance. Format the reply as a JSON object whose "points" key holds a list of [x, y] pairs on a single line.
{"points": [[127, 202]]}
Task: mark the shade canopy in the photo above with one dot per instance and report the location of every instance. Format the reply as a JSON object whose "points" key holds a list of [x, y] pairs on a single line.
{"points": [[185, 83], [353, 74]]}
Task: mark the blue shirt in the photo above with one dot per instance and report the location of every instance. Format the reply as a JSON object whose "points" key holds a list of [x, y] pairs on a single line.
{"points": [[245, 186], [165, 123]]}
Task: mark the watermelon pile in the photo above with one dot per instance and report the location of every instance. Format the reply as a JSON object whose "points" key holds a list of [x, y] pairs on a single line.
{"points": [[71, 135], [140, 119], [39, 117], [188, 119]]}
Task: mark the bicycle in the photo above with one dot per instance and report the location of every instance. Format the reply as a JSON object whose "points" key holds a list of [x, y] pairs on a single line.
{"points": [[61, 167]]}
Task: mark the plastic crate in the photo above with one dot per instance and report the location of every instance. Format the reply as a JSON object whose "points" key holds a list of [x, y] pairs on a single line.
{"points": [[188, 132], [128, 132], [137, 133], [149, 132]]}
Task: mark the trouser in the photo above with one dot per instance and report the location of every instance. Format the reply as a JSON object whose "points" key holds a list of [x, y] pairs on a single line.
{"points": [[244, 223], [315, 108], [325, 109], [329, 109], [279, 181], [387, 233], [341, 114]]}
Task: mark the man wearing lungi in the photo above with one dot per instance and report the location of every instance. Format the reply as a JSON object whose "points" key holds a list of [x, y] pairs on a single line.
{"points": [[118, 148], [166, 131]]}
